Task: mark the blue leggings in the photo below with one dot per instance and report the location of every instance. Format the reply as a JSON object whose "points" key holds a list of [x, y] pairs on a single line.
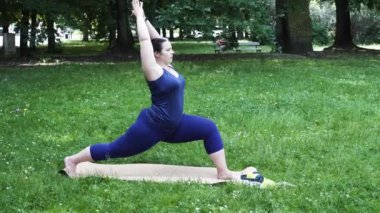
{"points": [[143, 135]]}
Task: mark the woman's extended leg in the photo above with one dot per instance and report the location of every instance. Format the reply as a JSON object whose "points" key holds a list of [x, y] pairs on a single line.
{"points": [[193, 128], [140, 137]]}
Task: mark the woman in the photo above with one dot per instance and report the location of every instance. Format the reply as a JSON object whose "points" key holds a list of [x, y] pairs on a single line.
{"points": [[164, 120]]}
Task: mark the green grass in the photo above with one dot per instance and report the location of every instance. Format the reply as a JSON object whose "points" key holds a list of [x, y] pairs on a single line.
{"points": [[180, 47], [314, 123], [75, 48], [92, 48]]}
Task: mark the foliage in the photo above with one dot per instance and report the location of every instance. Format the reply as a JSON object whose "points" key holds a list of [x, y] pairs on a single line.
{"points": [[9, 11], [323, 22], [90, 16], [206, 16], [366, 26], [313, 123]]}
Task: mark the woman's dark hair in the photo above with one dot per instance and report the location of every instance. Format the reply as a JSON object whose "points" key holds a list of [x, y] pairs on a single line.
{"points": [[157, 44]]}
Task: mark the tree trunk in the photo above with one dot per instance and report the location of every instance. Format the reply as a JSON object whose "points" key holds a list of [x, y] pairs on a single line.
{"points": [[111, 24], [33, 29], [171, 34], [124, 39], [111, 37], [240, 34], [180, 33], [86, 28], [246, 34], [5, 28], [163, 32], [293, 26], [24, 27], [282, 35], [343, 34], [50, 33]]}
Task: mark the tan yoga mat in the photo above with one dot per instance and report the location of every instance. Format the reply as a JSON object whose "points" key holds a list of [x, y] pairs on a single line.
{"points": [[161, 173]]}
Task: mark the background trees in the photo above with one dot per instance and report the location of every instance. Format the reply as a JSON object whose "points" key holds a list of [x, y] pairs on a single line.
{"points": [[293, 27]]}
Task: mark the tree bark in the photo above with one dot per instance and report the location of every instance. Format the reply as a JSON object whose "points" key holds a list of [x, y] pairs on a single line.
{"points": [[24, 27], [124, 39], [293, 26], [111, 24], [5, 28], [343, 34], [86, 34], [50, 33], [86, 27], [171, 33], [33, 29], [163, 32]]}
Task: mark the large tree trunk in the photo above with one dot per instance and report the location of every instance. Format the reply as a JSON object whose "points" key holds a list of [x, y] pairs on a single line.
{"points": [[171, 33], [163, 32], [111, 24], [293, 26], [5, 28], [86, 27], [343, 35], [124, 39], [24, 27], [50, 34], [33, 29]]}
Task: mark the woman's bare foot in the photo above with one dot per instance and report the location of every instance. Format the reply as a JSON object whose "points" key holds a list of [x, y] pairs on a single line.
{"points": [[70, 166]]}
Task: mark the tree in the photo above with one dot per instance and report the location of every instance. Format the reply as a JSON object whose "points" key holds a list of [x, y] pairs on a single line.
{"points": [[24, 37], [85, 15], [49, 10], [343, 35], [293, 26], [231, 17], [124, 40], [9, 13]]}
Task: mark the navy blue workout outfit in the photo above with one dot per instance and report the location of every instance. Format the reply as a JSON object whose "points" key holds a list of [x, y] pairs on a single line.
{"points": [[163, 121]]}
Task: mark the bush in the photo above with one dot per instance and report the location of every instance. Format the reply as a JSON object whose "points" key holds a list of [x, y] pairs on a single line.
{"points": [[323, 21], [365, 25]]}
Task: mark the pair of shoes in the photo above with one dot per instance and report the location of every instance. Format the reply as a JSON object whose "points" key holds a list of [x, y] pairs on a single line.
{"points": [[252, 178]]}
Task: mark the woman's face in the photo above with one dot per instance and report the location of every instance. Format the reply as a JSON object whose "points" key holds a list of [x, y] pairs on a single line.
{"points": [[166, 54]]}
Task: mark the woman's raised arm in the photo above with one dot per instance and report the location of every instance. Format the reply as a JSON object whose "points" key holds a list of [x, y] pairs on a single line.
{"points": [[151, 69], [152, 31]]}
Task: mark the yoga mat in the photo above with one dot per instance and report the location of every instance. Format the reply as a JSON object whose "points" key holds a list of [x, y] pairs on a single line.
{"points": [[161, 173]]}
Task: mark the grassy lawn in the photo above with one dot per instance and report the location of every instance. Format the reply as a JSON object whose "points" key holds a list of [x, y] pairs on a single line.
{"points": [[180, 47], [313, 123], [92, 48]]}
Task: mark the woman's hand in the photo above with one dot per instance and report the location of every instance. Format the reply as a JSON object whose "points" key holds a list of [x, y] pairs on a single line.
{"points": [[137, 8]]}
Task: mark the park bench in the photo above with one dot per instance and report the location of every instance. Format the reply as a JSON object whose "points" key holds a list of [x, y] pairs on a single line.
{"points": [[248, 46], [217, 49], [251, 45]]}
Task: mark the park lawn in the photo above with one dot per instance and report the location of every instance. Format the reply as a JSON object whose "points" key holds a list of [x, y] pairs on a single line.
{"points": [[80, 48], [312, 122]]}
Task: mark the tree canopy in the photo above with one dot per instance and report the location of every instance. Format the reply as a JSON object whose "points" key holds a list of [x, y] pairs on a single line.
{"points": [[274, 22]]}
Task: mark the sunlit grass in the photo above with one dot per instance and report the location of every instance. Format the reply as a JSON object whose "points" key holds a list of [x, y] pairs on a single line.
{"points": [[180, 47], [314, 123]]}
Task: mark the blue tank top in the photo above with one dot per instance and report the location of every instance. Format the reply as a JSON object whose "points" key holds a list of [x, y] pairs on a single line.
{"points": [[167, 94]]}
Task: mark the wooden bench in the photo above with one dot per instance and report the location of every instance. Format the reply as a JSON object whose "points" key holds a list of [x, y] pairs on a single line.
{"points": [[218, 49], [251, 45]]}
